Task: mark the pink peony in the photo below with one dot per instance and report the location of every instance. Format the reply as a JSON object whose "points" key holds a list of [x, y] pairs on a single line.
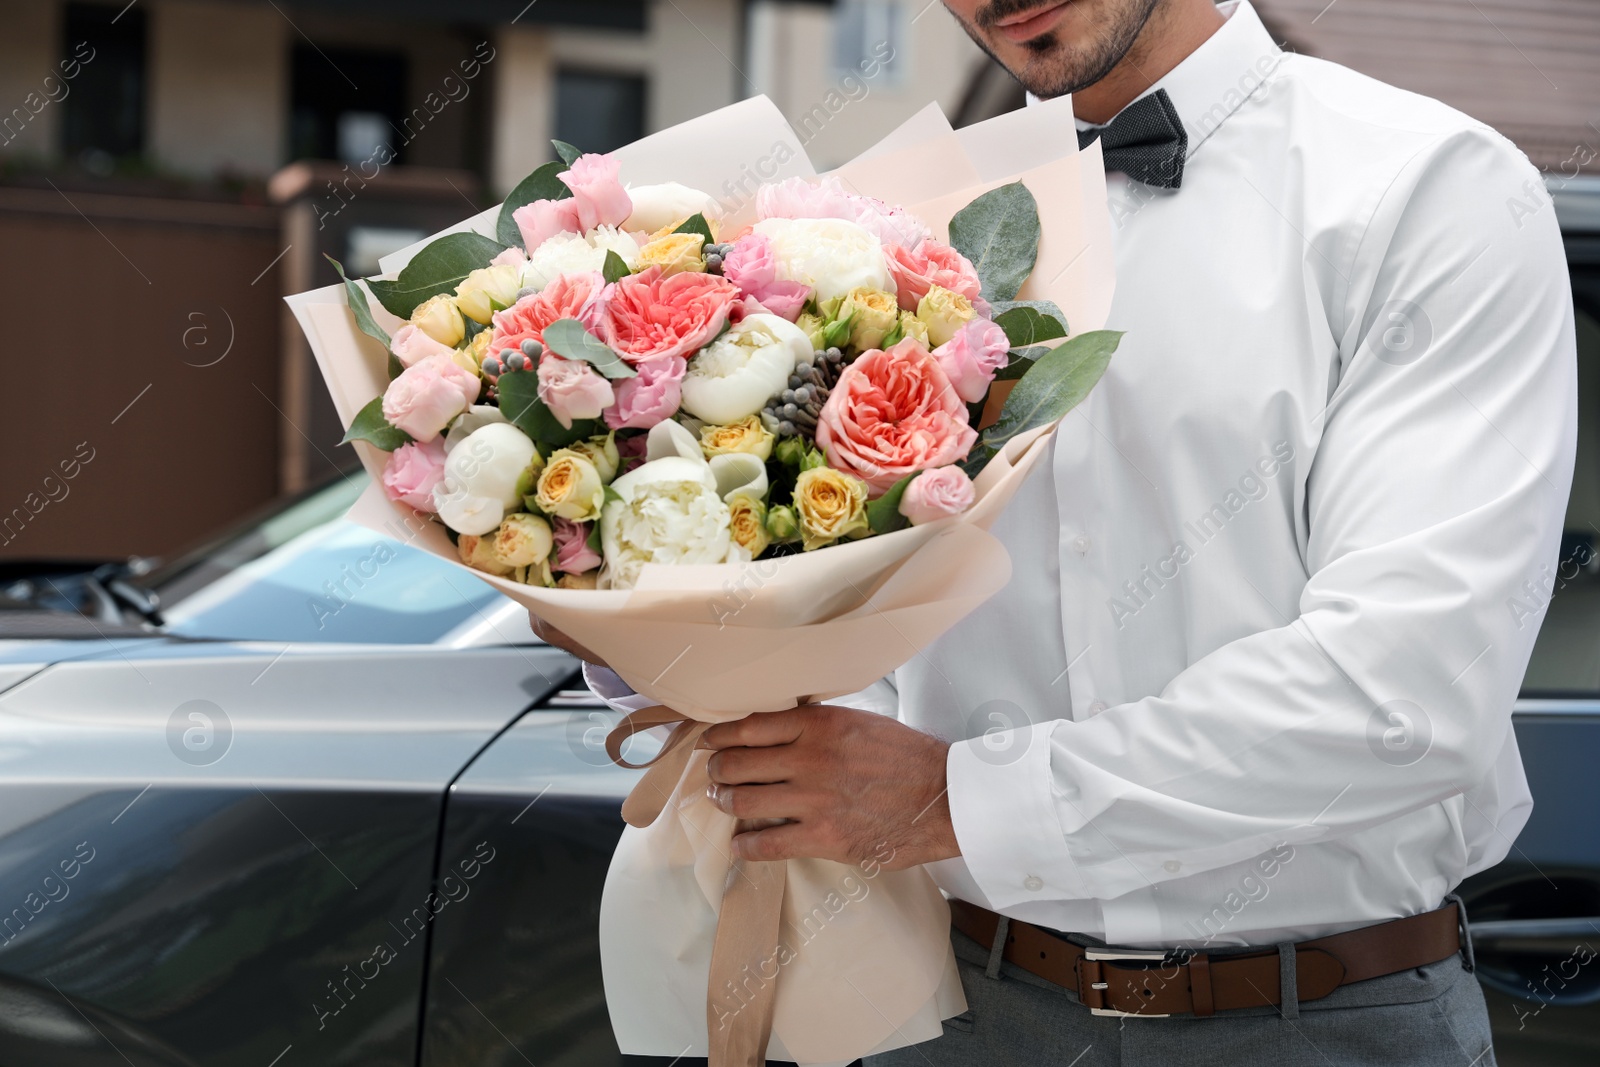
{"points": [[648, 317], [412, 472], [650, 396], [573, 554], [937, 494], [797, 198], [971, 357], [511, 257], [427, 395], [409, 345], [751, 265], [570, 296], [932, 263], [572, 389], [892, 413], [598, 199]]}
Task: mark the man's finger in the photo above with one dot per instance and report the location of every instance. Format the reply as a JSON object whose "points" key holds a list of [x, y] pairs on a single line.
{"points": [[778, 843], [761, 729], [759, 801], [741, 766]]}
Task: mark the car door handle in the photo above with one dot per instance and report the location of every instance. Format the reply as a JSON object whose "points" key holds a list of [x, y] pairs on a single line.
{"points": [[1535, 935]]}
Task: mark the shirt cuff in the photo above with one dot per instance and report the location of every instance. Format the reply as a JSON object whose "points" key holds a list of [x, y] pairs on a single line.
{"points": [[618, 695], [1004, 817]]}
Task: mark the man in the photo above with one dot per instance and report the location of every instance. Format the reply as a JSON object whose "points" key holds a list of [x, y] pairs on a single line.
{"points": [[1250, 685]]}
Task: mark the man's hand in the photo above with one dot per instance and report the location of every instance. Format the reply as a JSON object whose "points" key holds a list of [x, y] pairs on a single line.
{"points": [[853, 786], [552, 636]]}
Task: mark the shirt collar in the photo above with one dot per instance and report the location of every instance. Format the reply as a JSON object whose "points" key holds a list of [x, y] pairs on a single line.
{"points": [[1217, 78]]}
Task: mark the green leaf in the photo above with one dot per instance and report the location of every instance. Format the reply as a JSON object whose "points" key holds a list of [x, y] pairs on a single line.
{"points": [[883, 514], [567, 338], [1052, 386], [615, 268], [519, 402], [357, 299], [370, 425], [473, 329], [542, 184], [593, 540], [999, 233], [1021, 359], [567, 152], [1025, 324], [438, 268], [696, 223]]}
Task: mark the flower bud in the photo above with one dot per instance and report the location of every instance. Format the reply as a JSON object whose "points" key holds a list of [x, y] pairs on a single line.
{"points": [[783, 525]]}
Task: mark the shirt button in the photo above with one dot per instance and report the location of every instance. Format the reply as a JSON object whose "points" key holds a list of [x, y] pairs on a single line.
{"points": [[1033, 883], [1081, 543], [1172, 866], [1097, 707]]}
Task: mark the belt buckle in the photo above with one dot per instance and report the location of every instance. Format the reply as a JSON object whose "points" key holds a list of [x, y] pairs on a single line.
{"points": [[1147, 955]]}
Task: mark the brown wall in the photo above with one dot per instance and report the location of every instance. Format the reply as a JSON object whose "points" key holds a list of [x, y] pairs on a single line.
{"points": [[110, 301]]}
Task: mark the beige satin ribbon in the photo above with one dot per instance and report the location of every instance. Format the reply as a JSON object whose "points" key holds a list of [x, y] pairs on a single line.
{"points": [[752, 898]]}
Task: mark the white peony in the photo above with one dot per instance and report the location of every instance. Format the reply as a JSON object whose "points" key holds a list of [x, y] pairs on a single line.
{"points": [[655, 206], [483, 476], [833, 256], [671, 509], [570, 253], [737, 374]]}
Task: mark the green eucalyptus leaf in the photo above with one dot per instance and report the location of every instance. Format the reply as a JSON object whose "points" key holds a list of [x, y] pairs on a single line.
{"points": [[370, 425], [1052, 386], [566, 151], [542, 184], [1028, 324], [883, 514], [615, 268], [357, 299], [696, 223], [519, 402], [567, 338], [1018, 363], [999, 233], [438, 268]]}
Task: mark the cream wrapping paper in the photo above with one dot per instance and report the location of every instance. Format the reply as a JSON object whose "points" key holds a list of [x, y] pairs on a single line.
{"points": [[839, 961]]}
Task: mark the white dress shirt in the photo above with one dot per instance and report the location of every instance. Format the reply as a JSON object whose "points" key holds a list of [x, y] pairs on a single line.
{"points": [[1252, 678]]}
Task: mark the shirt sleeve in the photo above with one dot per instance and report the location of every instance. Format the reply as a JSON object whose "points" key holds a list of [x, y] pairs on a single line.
{"points": [[1434, 500]]}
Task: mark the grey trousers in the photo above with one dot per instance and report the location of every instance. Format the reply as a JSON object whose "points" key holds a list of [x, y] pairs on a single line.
{"points": [[1433, 1016]]}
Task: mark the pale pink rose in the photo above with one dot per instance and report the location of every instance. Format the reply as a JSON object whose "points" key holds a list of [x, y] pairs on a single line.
{"points": [[409, 345], [971, 357], [892, 413], [751, 265], [573, 554], [797, 198], [427, 395], [650, 396], [649, 317], [543, 219], [931, 263], [412, 472], [511, 257], [891, 224], [600, 196], [572, 389], [937, 494], [570, 296]]}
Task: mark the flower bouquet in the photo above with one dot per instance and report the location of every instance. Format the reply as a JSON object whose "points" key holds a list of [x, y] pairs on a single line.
{"points": [[746, 448]]}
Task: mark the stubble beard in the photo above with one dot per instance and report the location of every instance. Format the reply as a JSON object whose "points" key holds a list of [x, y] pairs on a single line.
{"points": [[1055, 67]]}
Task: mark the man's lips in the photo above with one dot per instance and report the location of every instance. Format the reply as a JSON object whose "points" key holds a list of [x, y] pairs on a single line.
{"points": [[1030, 24]]}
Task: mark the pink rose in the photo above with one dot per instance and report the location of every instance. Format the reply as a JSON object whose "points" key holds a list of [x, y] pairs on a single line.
{"points": [[601, 199], [971, 357], [573, 554], [412, 472], [650, 396], [931, 263], [572, 389], [409, 345], [544, 219], [648, 317], [892, 413], [751, 265], [937, 494], [427, 395], [570, 296], [511, 257]]}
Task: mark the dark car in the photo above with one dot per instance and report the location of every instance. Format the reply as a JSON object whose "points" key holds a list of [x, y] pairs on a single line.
{"points": [[313, 809]]}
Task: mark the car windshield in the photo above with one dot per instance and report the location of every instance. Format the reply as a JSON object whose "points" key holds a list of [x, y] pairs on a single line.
{"points": [[306, 574]]}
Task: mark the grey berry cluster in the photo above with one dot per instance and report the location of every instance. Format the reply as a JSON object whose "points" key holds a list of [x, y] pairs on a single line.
{"points": [[794, 411], [508, 359], [715, 254]]}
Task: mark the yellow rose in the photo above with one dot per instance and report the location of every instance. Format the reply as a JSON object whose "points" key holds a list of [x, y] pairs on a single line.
{"points": [[487, 290], [872, 313], [534, 574], [674, 254], [602, 452], [831, 504], [522, 540], [943, 313], [748, 518], [746, 435], [672, 227], [440, 319], [479, 554], [570, 487], [911, 326], [471, 357]]}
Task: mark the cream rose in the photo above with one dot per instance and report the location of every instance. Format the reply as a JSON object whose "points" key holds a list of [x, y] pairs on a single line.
{"points": [[735, 375], [487, 290], [944, 313], [570, 487], [673, 253], [831, 504], [871, 313], [747, 521], [746, 435], [523, 540], [833, 256], [440, 318]]}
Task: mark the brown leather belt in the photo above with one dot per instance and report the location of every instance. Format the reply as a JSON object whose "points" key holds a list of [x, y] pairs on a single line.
{"points": [[1157, 982]]}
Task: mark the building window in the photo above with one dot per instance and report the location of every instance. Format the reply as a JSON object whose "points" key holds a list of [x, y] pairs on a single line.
{"points": [[347, 104], [870, 36], [597, 111], [103, 118]]}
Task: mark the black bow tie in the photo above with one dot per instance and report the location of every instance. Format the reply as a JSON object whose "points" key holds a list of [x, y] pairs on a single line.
{"points": [[1146, 141]]}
